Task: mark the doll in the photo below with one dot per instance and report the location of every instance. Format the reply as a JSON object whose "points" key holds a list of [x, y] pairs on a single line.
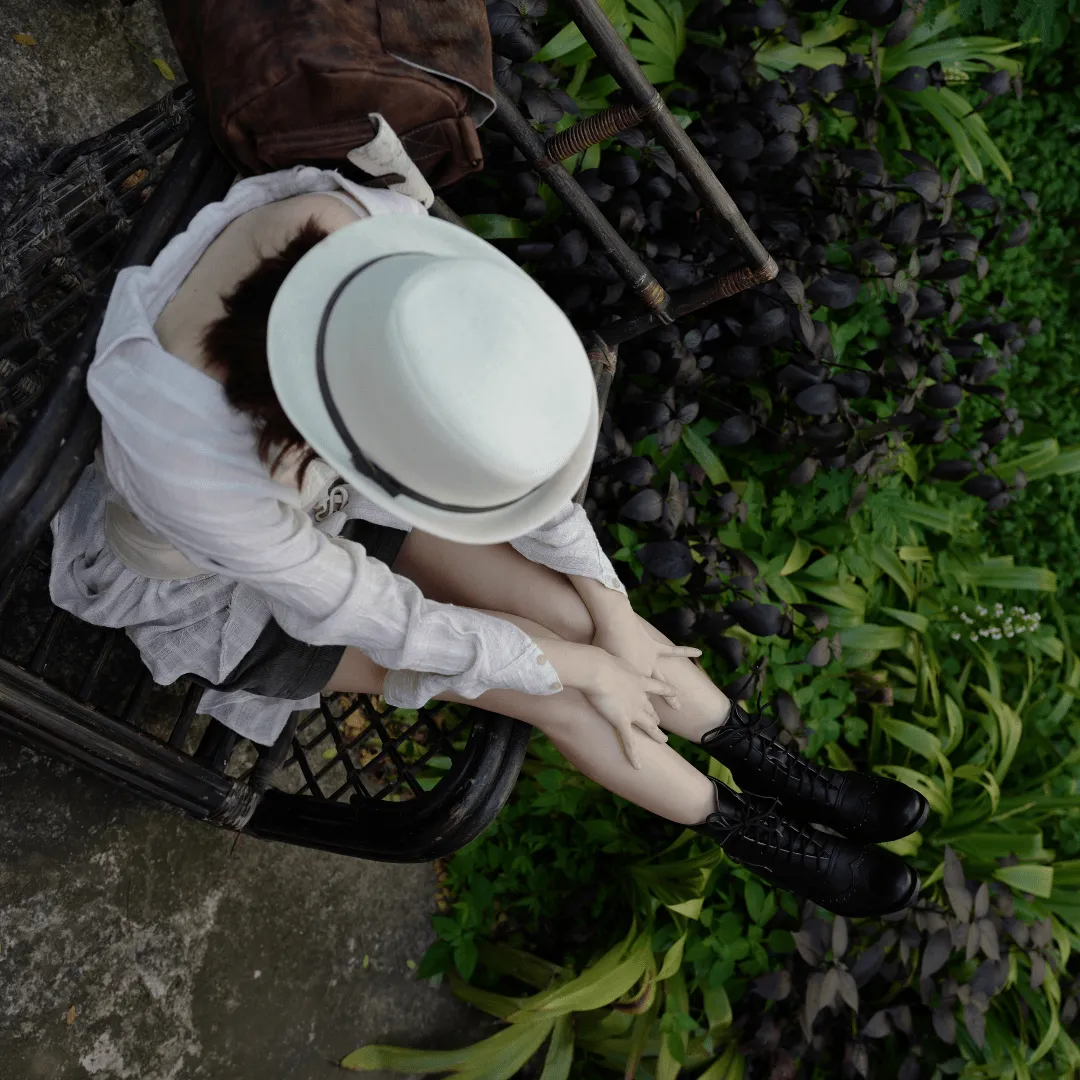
{"points": [[339, 444]]}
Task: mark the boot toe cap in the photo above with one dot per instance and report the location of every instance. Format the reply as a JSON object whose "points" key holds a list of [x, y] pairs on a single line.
{"points": [[893, 884], [894, 810], [880, 884]]}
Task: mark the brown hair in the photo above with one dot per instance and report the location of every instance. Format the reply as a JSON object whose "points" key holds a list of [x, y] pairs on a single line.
{"points": [[236, 344]]}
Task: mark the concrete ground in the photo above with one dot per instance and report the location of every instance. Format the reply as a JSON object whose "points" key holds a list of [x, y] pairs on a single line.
{"points": [[139, 945], [135, 945], [91, 66]]}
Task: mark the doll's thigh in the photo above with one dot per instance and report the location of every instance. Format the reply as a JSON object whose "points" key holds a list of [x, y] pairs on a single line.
{"points": [[496, 578], [356, 674]]}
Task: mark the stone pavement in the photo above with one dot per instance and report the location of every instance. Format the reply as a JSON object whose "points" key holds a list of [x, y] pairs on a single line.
{"points": [[135, 945], [139, 945]]}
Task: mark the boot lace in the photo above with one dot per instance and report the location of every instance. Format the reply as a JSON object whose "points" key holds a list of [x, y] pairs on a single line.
{"points": [[778, 763], [758, 822]]}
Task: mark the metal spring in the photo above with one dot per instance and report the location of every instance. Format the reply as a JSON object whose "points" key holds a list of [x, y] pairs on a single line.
{"points": [[593, 129], [744, 278]]}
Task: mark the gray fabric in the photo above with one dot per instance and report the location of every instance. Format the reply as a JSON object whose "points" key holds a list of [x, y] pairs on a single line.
{"points": [[279, 666]]}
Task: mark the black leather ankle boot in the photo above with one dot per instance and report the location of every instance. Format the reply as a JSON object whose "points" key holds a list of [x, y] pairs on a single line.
{"points": [[871, 809], [840, 875]]}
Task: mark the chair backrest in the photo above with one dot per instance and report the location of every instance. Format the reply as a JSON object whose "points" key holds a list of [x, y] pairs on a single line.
{"points": [[60, 249]]}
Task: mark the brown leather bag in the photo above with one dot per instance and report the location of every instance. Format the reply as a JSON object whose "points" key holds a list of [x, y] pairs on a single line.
{"points": [[288, 82]]}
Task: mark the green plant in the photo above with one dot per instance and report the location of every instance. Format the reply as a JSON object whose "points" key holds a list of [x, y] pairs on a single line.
{"points": [[900, 75], [1046, 21], [655, 30]]}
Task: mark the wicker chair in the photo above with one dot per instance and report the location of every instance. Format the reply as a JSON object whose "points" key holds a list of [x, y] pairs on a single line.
{"points": [[349, 777]]}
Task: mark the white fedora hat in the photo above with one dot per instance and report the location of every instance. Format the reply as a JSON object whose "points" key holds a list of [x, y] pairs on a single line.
{"points": [[436, 376]]}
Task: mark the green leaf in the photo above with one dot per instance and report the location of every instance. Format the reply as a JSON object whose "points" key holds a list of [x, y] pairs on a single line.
{"points": [[495, 1004], [796, 560], [1010, 726], [955, 720], [919, 623], [1064, 464], [888, 561], [599, 985], [560, 1055], [991, 846], [729, 1066], [930, 101], [1026, 578], [465, 957], [755, 899], [570, 37], [672, 959], [163, 67], [704, 456], [1027, 878], [844, 594], [658, 28], [932, 790], [916, 553], [717, 1009], [529, 969], [1034, 460], [690, 908], [873, 637], [976, 128], [497, 226], [913, 737], [501, 1055]]}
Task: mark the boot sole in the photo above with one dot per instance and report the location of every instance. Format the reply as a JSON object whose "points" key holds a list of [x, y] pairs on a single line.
{"points": [[922, 818]]}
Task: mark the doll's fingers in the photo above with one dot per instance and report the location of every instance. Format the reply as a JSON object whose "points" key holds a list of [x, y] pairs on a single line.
{"points": [[662, 689], [650, 724], [627, 738], [673, 702], [684, 650]]}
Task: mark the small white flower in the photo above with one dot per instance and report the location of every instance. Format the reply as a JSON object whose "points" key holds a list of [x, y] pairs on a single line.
{"points": [[956, 637], [1008, 633], [999, 609], [974, 637], [955, 608], [980, 611]]}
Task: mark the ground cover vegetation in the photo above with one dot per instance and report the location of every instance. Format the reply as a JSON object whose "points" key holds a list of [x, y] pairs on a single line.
{"points": [[856, 488]]}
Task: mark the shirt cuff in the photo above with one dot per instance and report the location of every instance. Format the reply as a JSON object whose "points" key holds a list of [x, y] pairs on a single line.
{"points": [[531, 673]]}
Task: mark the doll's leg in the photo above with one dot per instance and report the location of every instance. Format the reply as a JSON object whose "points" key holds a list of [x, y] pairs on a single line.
{"points": [[666, 784], [494, 577], [497, 578]]}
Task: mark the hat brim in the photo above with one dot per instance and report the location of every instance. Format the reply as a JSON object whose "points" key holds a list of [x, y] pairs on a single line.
{"points": [[292, 333]]}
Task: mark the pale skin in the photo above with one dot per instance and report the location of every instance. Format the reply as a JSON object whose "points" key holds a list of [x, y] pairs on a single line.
{"points": [[624, 683], [565, 616]]}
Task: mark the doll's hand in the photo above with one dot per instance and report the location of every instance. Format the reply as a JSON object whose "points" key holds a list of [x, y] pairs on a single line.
{"points": [[627, 637], [621, 696]]}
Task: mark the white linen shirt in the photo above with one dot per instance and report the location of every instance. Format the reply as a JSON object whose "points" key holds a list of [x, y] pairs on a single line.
{"points": [[186, 464]]}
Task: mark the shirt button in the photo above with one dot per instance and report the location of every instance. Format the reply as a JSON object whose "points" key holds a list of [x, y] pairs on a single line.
{"points": [[556, 686], [541, 658]]}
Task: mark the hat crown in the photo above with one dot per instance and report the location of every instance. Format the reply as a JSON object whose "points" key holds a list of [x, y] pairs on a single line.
{"points": [[460, 382], [464, 383]]}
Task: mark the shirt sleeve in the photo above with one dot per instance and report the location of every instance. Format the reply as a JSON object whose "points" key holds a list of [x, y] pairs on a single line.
{"points": [[568, 543], [197, 481]]}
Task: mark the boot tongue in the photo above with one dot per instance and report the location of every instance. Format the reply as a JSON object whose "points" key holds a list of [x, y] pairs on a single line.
{"points": [[728, 803]]}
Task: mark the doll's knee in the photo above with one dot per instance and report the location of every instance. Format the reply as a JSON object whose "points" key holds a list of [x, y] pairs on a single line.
{"points": [[574, 623]]}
